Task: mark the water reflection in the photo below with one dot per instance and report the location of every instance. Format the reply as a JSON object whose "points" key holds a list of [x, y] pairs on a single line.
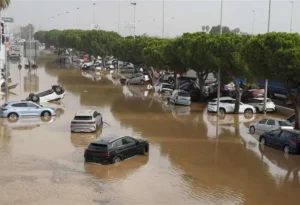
{"points": [[82, 140], [31, 81], [92, 75], [27, 123], [117, 172]]}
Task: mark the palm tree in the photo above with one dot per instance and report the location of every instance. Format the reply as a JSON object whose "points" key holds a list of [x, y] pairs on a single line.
{"points": [[4, 4]]}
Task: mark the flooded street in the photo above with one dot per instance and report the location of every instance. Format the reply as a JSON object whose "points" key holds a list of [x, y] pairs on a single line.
{"points": [[192, 160]]}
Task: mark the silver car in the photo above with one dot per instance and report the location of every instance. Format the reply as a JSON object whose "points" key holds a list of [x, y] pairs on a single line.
{"points": [[16, 109], [86, 121], [268, 124], [138, 78]]}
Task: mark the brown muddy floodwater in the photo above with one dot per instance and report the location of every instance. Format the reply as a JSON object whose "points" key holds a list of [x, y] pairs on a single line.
{"points": [[191, 159]]}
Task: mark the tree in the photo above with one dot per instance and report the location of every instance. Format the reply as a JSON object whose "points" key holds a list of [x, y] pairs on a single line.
{"points": [[51, 37], [4, 4], [236, 31], [40, 36], [216, 29], [195, 54], [152, 55], [227, 49], [276, 56]]}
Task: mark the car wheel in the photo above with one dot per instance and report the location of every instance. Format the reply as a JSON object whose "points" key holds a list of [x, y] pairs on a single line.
{"points": [[12, 117], [262, 141], [248, 111], [286, 149], [252, 130], [117, 159], [58, 89], [35, 98], [46, 118], [222, 111], [31, 94], [143, 150], [46, 114]]}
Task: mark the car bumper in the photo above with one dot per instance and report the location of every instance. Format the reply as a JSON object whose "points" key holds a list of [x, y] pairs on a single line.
{"points": [[211, 108], [98, 159], [83, 129]]}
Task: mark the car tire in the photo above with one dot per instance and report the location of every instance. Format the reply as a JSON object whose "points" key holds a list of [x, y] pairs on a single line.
{"points": [[286, 149], [252, 130], [248, 111], [35, 98], [222, 111], [13, 117], [117, 159], [30, 95], [45, 114], [46, 119], [59, 90], [143, 151], [262, 141]]}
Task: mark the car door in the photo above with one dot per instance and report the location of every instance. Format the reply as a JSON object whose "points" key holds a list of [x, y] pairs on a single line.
{"points": [[20, 109], [130, 148], [132, 78], [33, 109], [261, 124], [279, 140], [272, 137], [229, 105], [270, 125]]}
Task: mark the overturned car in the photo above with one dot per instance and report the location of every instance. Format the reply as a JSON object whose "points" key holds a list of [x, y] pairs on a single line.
{"points": [[53, 94]]}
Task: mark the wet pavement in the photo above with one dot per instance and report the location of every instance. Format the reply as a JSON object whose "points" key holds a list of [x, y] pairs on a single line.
{"points": [[192, 160]]}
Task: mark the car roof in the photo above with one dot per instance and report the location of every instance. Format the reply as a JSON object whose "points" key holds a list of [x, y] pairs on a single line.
{"points": [[22, 101], [85, 112], [260, 98], [224, 98], [107, 139]]}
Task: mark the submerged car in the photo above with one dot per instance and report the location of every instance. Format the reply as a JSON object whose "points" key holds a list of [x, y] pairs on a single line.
{"points": [[86, 121], [163, 87], [87, 65], [258, 103], [113, 149], [286, 140], [16, 109], [138, 78], [53, 94], [268, 124], [227, 105], [291, 119], [180, 97]]}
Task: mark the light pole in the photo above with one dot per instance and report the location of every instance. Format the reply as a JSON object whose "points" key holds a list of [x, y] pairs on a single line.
{"points": [[134, 10], [291, 16], [119, 16], [219, 68], [94, 13], [253, 22], [163, 19], [266, 81], [77, 17]]}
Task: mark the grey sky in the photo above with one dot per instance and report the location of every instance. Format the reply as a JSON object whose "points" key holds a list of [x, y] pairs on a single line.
{"points": [[180, 16]]}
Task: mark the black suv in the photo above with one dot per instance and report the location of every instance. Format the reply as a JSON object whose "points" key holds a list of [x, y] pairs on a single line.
{"points": [[112, 149]]}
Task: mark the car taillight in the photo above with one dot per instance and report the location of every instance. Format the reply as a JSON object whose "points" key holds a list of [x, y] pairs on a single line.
{"points": [[104, 154], [91, 122], [73, 122], [293, 143]]}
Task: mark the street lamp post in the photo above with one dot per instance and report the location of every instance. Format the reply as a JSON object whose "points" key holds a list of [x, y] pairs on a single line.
{"points": [[94, 13], [219, 68], [266, 81], [119, 16], [253, 22], [163, 19], [134, 11], [291, 16], [77, 17]]}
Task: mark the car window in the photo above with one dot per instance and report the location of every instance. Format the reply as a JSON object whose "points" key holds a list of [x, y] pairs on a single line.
{"points": [[31, 105], [19, 105], [129, 140], [263, 121], [275, 132], [117, 143], [285, 134], [291, 118], [184, 94], [82, 117], [282, 123], [271, 122]]}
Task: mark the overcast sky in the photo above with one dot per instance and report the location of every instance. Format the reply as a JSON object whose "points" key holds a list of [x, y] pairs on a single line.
{"points": [[180, 15]]}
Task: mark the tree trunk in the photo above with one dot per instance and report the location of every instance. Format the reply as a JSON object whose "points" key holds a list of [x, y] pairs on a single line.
{"points": [[297, 111], [175, 80], [202, 87], [238, 97]]}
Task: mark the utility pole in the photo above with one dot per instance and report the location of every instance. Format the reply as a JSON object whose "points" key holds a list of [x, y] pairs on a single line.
{"points": [[77, 17], [291, 16], [219, 68], [119, 10], [94, 13], [163, 20], [253, 22], [134, 11]]}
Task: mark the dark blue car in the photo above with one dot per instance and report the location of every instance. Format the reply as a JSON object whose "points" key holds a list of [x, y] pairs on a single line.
{"points": [[286, 140]]}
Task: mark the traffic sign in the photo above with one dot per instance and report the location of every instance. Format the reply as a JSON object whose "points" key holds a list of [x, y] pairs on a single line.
{"points": [[8, 19]]}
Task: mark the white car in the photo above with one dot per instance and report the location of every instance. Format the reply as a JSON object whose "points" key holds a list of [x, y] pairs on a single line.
{"points": [[258, 103], [53, 94], [269, 124], [163, 87], [87, 65], [227, 105]]}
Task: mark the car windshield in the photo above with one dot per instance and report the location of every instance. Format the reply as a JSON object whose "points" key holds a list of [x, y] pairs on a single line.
{"points": [[166, 86], [184, 94], [82, 117], [282, 123]]}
